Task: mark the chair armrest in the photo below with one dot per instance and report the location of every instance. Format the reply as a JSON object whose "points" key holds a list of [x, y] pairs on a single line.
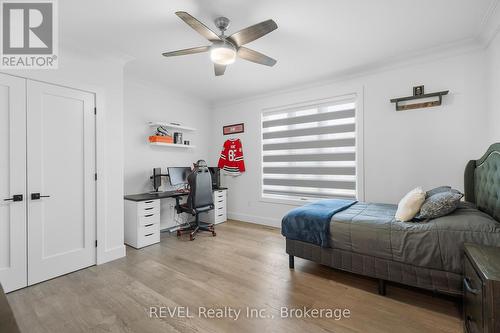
{"points": [[178, 205]]}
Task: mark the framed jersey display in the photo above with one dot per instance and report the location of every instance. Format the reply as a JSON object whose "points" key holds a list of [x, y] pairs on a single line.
{"points": [[231, 158]]}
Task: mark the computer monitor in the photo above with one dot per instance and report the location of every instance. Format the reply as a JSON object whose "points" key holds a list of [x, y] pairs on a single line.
{"points": [[156, 178], [215, 172], [178, 175]]}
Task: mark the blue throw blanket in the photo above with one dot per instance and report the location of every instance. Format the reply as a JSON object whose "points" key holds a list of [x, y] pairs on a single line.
{"points": [[311, 223]]}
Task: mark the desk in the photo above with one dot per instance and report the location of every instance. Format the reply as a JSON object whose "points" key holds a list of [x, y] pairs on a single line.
{"points": [[154, 196], [143, 218]]}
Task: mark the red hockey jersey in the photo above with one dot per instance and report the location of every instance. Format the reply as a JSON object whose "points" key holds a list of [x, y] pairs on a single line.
{"points": [[231, 157]]}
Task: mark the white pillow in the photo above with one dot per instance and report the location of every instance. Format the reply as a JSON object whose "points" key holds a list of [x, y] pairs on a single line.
{"points": [[410, 205]]}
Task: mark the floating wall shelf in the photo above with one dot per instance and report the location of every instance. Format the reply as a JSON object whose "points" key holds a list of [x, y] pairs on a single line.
{"points": [[173, 145], [425, 104], [169, 125]]}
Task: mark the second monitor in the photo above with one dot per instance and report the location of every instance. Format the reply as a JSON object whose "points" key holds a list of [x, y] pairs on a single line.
{"points": [[178, 175]]}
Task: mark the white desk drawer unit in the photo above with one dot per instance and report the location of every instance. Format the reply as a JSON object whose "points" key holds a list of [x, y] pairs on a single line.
{"points": [[219, 213], [142, 223]]}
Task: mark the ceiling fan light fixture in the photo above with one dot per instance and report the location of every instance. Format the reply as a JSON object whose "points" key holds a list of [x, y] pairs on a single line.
{"points": [[224, 50], [222, 53]]}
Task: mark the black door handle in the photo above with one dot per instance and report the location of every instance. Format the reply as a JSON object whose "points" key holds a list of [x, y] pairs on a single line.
{"points": [[37, 196], [15, 197]]}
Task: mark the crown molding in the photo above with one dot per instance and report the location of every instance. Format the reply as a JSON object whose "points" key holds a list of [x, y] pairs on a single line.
{"points": [[134, 76], [120, 59], [486, 33], [444, 51], [490, 24]]}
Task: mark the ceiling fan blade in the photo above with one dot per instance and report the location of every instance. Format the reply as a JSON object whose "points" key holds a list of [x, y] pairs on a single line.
{"points": [[253, 32], [198, 26], [254, 56], [191, 50], [219, 69]]}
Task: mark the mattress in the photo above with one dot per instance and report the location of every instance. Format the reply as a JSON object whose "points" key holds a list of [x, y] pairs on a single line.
{"points": [[371, 229]]}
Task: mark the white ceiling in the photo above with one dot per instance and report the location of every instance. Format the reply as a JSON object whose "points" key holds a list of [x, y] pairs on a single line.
{"points": [[315, 39]]}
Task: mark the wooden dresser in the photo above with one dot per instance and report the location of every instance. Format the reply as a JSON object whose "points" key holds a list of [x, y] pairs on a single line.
{"points": [[482, 289]]}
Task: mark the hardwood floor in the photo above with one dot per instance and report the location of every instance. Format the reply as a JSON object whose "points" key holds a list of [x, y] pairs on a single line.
{"points": [[244, 266]]}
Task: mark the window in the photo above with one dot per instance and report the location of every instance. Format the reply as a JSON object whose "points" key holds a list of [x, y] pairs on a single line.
{"points": [[309, 152]]}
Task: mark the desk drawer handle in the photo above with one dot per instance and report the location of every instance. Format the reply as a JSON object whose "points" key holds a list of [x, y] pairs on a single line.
{"points": [[149, 235], [469, 288], [149, 201], [220, 208], [220, 201], [149, 215], [148, 208], [149, 225], [220, 215]]}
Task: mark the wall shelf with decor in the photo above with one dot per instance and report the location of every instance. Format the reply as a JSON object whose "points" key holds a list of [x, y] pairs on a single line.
{"points": [[168, 134], [418, 94], [174, 145]]}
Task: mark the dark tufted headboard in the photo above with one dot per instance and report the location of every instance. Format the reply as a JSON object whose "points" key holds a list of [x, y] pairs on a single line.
{"points": [[482, 182]]}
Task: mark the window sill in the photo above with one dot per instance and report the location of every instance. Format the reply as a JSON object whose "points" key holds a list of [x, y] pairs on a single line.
{"points": [[290, 202]]}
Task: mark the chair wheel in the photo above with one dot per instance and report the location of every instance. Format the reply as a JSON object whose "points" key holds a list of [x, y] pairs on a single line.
{"points": [[179, 233], [214, 234], [191, 237]]}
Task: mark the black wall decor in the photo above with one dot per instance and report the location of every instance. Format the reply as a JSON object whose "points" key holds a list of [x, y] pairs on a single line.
{"points": [[418, 93], [418, 90]]}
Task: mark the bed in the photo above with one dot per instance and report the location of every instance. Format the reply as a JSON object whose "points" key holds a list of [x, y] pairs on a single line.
{"points": [[366, 239]]}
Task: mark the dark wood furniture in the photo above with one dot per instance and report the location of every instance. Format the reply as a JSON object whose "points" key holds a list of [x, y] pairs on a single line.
{"points": [[481, 289], [7, 321]]}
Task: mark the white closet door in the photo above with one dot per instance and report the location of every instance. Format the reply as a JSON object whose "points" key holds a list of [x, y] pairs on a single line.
{"points": [[12, 182], [61, 166]]}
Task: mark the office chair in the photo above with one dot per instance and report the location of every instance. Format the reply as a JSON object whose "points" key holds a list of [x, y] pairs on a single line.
{"points": [[200, 200]]}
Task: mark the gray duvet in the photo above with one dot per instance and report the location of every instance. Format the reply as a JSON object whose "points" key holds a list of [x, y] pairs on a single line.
{"points": [[371, 229]]}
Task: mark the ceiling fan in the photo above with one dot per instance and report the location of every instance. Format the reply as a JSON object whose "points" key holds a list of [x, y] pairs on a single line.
{"points": [[224, 49]]}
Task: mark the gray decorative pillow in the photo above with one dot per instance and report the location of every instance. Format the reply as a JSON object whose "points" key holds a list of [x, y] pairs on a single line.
{"points": [[437, 190], [439, 204]]}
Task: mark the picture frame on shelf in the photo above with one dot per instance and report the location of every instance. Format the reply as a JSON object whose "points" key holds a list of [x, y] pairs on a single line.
{"points": [[418, 90]]}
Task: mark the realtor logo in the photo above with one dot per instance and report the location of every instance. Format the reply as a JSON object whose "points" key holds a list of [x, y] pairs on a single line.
{"points": [[29, 34]]}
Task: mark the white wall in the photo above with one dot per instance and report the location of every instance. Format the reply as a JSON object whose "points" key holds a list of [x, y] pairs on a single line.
{"points": [[493, 55], [427, 147], [104, 77], [149, 101]]}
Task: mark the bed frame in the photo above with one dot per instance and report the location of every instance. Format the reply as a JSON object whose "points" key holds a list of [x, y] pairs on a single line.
{"points": [[481, 186]]}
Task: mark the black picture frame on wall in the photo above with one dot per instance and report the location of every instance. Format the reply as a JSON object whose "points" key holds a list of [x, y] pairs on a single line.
{"points": [[233, 129]]}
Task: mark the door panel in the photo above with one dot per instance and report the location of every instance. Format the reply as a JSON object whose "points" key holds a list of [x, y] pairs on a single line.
{"points": [[12, 181], [61, 165]]}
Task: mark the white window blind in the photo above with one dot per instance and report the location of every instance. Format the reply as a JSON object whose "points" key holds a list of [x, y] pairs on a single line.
{"points": [[310, 152]]}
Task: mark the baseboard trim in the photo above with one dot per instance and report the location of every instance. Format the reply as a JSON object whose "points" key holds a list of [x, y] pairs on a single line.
{"points": [[255, 219], [112, 254]]}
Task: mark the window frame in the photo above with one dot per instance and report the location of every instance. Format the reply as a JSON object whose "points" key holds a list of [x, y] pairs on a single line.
{"points": [[358, 96]]}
